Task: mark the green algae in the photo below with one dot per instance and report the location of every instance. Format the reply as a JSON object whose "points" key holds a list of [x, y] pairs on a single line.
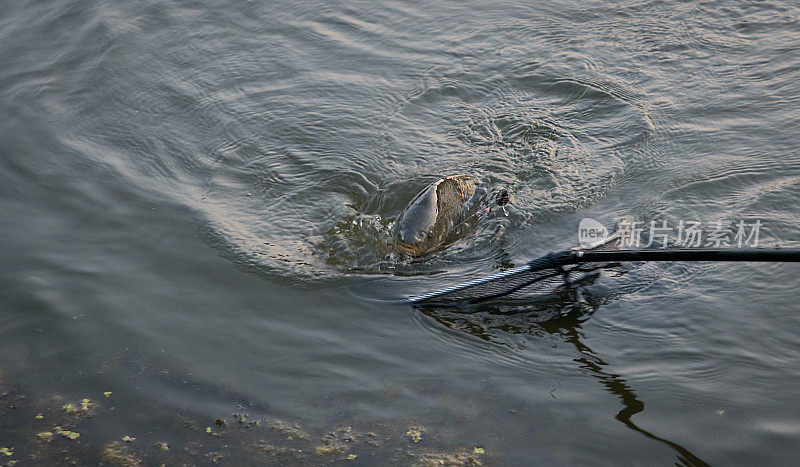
{"points": [[290, 431], [117, 453], [82, 408], [443, 458], [76, 436], [415, 433]]}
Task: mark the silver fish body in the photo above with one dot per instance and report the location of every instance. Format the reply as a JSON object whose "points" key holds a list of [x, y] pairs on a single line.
{"points": [[432, 215]]}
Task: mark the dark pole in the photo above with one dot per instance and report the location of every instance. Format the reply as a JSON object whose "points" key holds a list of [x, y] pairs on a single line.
{"points": [[730, 254]]}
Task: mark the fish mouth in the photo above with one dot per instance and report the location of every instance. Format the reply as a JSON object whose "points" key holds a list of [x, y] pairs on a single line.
{"points": [[408, 248]]}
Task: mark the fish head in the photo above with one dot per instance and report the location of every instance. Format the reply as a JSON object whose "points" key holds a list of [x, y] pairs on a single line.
{"points": [[430, 217], [416, 225]]}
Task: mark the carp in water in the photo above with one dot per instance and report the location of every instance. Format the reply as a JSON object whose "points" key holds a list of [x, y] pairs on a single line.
{"points": [[433, 214]]}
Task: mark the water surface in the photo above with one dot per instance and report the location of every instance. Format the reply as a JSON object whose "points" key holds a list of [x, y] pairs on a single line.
{"points": [[198, 200]]}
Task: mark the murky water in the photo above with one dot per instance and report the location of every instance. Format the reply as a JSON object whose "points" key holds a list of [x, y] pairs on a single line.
{"points": [[198, 201]]}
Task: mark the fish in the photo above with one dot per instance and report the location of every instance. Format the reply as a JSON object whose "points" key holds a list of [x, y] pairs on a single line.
{"points": [[432, 215]]}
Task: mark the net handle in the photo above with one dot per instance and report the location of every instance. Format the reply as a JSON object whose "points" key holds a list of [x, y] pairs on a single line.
{"points": [[679, 254], [556, 260]]}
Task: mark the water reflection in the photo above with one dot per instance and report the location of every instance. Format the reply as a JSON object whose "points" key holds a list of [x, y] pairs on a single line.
{"points": [[563, 319]]}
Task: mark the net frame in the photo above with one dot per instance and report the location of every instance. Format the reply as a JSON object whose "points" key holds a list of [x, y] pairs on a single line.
{"points": [[543, 276]]}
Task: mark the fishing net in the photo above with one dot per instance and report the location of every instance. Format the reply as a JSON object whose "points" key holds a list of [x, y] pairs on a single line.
{"points": [[544, 276], [538, 279]]}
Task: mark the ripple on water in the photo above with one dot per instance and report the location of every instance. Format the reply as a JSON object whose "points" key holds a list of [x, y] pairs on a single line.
{"points": [[320, 214], [302, 172]]}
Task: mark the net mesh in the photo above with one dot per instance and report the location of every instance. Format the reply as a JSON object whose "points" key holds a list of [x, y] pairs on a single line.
{"points": [[536, 280]]}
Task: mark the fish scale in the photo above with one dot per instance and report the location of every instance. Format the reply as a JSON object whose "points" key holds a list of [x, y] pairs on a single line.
{"points": [[431, 216]]}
